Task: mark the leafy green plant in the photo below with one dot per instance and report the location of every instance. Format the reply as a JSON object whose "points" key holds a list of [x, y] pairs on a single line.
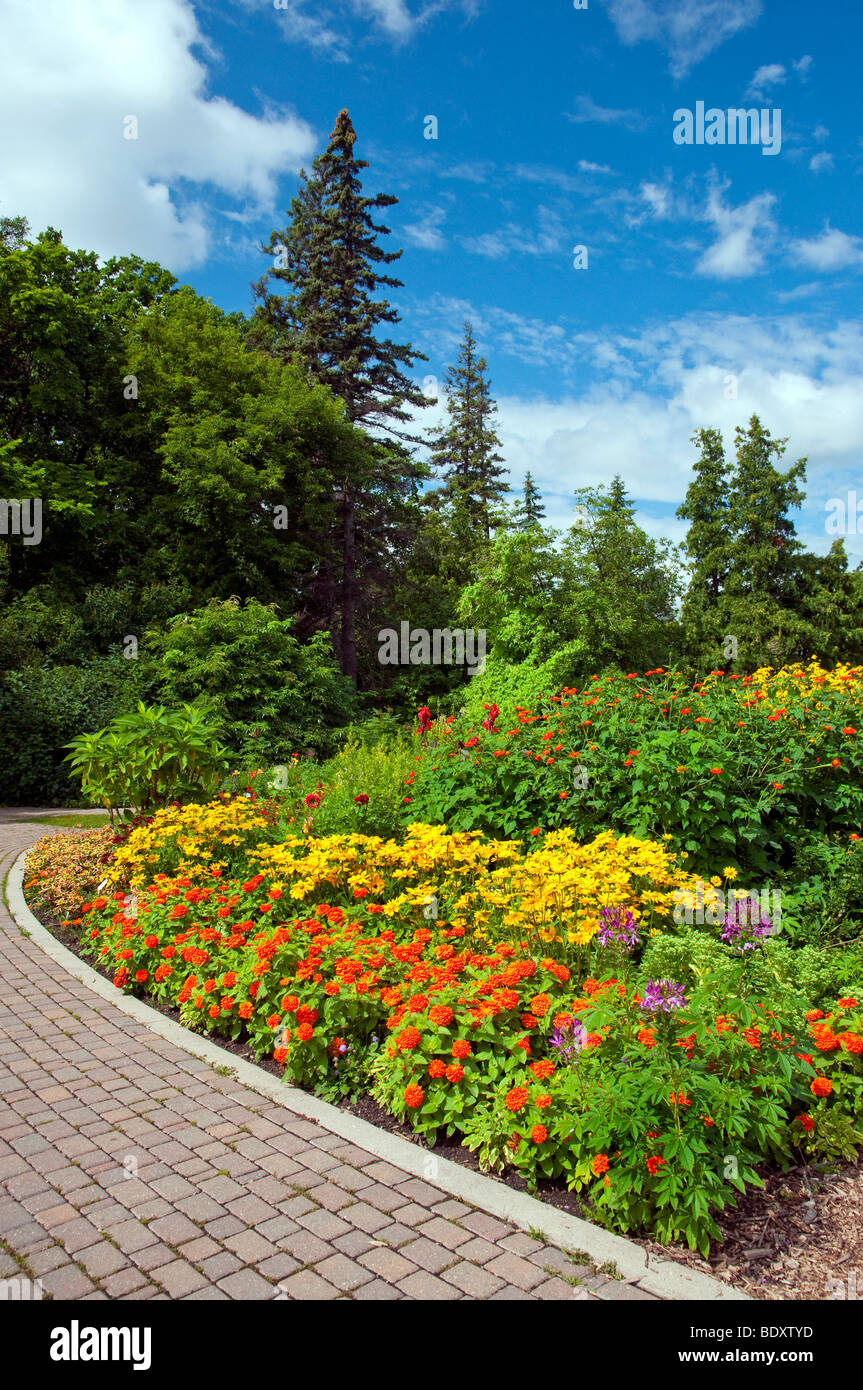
{"points": [[149, 758]]}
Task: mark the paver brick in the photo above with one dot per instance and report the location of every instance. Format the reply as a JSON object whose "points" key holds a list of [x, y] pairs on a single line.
{"points": [[514, 1270], [425, 1286]]}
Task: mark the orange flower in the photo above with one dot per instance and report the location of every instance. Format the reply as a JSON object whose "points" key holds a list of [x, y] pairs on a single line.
{"points": [[408, 1039], [441, 1015], [413, 1096], [539, 1134], [821, 1086], [716, 772], [599, 1164], [455, 1072], [461, 1048], [646, 1038], [540, 1005], [543, 1069], [654, 1163], [852, 1042], [543, 1101], [437, 1067], [516, 1099], [305, 1032]]}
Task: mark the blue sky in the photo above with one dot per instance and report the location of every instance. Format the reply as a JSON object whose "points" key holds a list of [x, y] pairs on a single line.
{"points": [[720, 280]]}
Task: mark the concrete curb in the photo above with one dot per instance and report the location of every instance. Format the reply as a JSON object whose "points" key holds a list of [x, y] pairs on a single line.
{"points": [[664, 1278]]}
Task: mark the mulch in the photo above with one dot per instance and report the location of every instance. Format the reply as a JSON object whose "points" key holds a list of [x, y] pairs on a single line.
{"points": [[787, 1240]]}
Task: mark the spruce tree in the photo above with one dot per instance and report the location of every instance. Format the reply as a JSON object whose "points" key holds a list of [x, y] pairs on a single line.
{"points": [[708, 545], [465, 448], [529, 510], [330, 258]]}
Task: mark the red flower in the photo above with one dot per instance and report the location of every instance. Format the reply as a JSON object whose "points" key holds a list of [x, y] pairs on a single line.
{"points": [[654, 1163], [599, 1164], [807, 1122], [821, 1086], [413, 1096], [362, 799], [425, 719], [539, 1134]]}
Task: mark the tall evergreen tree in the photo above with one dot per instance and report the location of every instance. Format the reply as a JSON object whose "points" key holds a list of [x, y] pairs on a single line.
{"points": [[465, 449], [529, 510], [330, 258], [708, 542], [750, 578]]}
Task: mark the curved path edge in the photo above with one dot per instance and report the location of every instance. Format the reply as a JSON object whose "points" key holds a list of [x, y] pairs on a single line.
{"points": [[663, 1278]]}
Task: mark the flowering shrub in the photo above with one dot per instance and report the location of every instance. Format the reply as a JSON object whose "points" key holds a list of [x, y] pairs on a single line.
{"points": [[729, 768], [64, 870]]}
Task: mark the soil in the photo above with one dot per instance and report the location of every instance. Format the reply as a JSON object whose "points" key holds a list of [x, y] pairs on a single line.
{"points": [[798, 1237]]}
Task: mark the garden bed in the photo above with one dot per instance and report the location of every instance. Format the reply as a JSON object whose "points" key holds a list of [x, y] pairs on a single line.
{"points": [[784, 1241]]}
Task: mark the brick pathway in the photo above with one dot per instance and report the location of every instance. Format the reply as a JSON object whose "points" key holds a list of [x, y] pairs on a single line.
{"points": [[129, 1169]]}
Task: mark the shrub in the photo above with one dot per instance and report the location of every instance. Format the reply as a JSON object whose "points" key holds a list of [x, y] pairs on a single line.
{"points": [[149, 757], [729, 768], [273, 695]]}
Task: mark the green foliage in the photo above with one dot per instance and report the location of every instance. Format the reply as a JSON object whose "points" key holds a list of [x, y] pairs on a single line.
{"points": [[465, 449], [377, 771], [150, 757], [726, 780], [43, 707], [272, 694], [824, 901]]}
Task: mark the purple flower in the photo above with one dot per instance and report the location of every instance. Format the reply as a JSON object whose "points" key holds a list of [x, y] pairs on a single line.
{"points": [[618, 927], [568, 1041], [662, 996], [742, 929]]}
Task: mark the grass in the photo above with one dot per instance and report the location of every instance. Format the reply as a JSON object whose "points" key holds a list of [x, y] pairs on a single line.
{"points": [[84, 820]]}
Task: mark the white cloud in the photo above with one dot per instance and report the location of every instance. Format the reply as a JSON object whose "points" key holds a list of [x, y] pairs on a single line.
{"points": [[688, 30], [820, 133], [744, 234], [321, 26], [832, 250], [803, 65], [586, 109], [426, 233], [770, 75], [72, 74], [657, 197], [588, 167], [545, 240], [821, 162], [636, 412]]}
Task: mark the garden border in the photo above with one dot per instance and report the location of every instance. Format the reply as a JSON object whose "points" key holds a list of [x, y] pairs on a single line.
{"points": [[664, 1278]]}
